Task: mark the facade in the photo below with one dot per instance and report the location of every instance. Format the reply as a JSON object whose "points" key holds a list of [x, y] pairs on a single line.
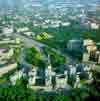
{"points": [[91, 52]]}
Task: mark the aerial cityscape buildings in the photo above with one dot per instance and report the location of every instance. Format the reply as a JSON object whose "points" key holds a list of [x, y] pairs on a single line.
{"points": [[49, 48]]}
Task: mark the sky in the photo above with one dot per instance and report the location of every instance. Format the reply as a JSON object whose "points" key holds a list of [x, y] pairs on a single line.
{"points": [[12, 3]]}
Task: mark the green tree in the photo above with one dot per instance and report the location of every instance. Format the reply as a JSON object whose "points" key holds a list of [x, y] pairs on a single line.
{"points": [[33, 56], [57, 60], [17, 52]]}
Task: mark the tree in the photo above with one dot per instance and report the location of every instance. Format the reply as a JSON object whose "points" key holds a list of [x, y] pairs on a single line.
{"points": [[16, 55], [33, 56], [57, 60], [16, 93]]}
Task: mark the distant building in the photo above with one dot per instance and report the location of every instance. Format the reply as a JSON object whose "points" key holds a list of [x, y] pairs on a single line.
{"points": [[94, 25], [66, 23], [7, 30], [24, 29], [75, 47]]}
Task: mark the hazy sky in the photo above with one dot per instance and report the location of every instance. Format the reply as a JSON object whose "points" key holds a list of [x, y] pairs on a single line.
{"points": [[21, 2]]}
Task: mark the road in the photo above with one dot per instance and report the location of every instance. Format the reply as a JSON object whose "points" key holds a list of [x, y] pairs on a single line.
{"points": [[28, 41], [7, 68]]}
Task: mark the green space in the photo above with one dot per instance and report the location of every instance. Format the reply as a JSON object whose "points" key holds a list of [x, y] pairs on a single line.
{"points": [[61, 35]]}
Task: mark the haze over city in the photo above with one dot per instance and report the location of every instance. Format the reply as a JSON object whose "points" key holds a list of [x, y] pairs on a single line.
{"points": [[49, 50]]}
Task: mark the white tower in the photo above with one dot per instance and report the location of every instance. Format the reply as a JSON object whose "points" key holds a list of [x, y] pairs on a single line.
{"points": [[48, 73]]}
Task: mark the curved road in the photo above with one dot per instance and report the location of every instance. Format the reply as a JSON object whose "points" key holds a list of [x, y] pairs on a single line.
{"points": [[29, 42]]}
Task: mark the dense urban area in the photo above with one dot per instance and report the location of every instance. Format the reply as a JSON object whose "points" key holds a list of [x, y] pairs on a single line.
{"points": [[49, 50]]}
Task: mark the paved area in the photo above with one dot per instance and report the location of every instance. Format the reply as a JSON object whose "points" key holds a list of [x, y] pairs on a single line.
{"points": [[7, 68]]}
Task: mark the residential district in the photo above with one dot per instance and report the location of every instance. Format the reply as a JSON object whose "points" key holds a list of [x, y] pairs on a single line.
{"points": [[53, 49]]}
